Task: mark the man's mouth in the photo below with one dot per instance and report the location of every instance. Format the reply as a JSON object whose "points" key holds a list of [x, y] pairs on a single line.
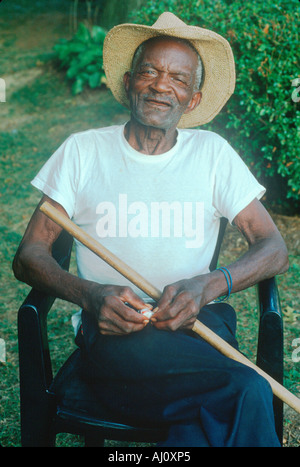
{"points": [[158, 103]]}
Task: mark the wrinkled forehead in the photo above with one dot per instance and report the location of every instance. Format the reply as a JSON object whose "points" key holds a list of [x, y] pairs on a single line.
{"points": [[165, 44]]}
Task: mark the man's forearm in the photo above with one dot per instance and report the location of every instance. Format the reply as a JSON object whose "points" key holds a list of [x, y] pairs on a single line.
{"points": [[37, 268], [263, 260]]}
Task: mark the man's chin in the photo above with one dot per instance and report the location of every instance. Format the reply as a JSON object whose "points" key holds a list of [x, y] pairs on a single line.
{"points": [[160, 122]]}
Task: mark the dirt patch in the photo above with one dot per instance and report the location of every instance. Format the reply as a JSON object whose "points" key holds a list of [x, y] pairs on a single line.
{"points": [[41, 31], [20, 79], [289, 228], [291, 437]]}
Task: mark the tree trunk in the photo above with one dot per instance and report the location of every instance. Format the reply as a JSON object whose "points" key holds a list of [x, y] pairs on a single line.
{"points": [[117, 11]]}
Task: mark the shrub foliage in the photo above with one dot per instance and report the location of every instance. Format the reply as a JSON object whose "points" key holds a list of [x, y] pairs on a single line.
{"points": [[82, 57]]}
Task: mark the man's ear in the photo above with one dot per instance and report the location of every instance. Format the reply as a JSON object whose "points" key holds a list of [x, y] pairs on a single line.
{"points": [[126, 81], [194, 102]]}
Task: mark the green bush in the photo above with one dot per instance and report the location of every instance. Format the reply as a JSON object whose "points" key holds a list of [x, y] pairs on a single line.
{"points": [[82, 57], [261, 120]]}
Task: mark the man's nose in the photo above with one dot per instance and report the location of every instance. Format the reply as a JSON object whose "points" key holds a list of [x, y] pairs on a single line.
{"points": [[161, 83]]}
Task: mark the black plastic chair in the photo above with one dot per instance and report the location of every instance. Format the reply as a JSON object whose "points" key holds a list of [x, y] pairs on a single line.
{"points": [[66, 404]]}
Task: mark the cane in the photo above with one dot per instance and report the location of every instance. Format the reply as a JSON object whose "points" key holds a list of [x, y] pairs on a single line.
{"points": [[134, 277]]}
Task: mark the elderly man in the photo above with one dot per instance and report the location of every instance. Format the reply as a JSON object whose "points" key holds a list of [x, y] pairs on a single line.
{"points": [[116, 183]]}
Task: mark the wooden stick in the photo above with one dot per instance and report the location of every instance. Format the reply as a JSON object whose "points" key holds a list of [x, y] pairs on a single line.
{"points": [[199, 328]]}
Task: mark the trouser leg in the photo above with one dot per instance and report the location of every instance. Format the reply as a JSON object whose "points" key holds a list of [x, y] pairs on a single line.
{"points": [[155, 377]]}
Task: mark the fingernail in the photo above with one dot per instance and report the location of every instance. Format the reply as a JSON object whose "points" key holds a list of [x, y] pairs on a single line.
{"points": [[155, 310]]}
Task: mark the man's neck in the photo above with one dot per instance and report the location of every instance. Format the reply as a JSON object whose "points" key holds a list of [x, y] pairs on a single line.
{"points": [[149, 140]]}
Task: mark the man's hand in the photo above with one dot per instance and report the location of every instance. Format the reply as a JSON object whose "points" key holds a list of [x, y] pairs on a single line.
{"points": [[115, 308], [180, 304]]}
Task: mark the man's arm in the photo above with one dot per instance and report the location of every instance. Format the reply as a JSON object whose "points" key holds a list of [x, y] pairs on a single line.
{"points": [[266, 257], [34, 265]]}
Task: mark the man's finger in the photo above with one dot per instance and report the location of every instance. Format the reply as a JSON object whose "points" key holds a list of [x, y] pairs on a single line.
{"points": [[117, 318], [174, 304], [168, 295], [182, 319], [133, 300], [121, 311]]}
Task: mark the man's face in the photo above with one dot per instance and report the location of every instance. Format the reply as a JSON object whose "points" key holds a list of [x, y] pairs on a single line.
{"points": [[161, 88]]}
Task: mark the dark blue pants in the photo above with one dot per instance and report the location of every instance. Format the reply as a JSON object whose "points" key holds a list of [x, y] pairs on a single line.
{"points": [[176, 378]]}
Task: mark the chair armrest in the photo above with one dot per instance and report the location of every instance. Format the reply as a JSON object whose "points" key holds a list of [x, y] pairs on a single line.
{"points": [[270, 336], [270, 341], [32, 320], [34, 356]]}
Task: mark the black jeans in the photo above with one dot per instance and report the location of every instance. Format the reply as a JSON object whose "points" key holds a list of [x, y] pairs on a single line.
{"points": [[177, 378]]}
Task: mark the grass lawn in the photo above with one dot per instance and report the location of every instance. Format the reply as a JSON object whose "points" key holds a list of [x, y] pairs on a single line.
{"points": [[39, 113]]}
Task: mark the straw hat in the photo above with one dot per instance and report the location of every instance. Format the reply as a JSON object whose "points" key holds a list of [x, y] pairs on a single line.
{"points": [[122, 41]]}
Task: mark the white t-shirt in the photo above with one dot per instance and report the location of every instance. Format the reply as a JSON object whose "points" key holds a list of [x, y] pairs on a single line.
{"points": [[159, 214]]}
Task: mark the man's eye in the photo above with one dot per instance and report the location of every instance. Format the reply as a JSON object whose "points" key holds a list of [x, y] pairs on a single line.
{"points": [[179, 79], [147, 72]]}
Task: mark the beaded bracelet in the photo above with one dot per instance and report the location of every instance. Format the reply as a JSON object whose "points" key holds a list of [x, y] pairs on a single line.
{"points": [[229, 284]]}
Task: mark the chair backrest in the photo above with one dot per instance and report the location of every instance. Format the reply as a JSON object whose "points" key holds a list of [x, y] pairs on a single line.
{"points": [[214, 261], [61, 250]]}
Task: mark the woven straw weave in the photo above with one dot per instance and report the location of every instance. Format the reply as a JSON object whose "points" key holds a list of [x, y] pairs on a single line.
{"points": [[215, 52]]}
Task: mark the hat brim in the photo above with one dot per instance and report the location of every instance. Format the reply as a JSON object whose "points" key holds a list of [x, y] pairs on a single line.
{"points": [[122, 41]]}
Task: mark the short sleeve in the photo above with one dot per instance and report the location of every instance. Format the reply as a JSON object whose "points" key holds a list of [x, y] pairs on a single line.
{"points": [[58, 178], [234, 185]]}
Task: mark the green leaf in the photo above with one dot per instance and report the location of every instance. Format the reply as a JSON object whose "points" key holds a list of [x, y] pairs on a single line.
{"points": [[98, 34], [77, 86], [83, 34], [94, 79]]}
